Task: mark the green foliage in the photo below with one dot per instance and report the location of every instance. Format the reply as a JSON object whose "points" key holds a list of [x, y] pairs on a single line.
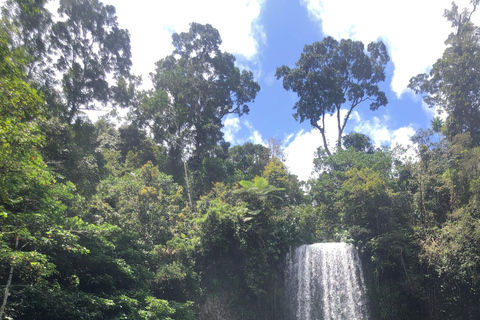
{"points": [[194, 89], [243, 237], [145, 201], [162, 309], [452, 83], [331, 73], [90, 47], [248, 160], [28, 24], [34, 207], [259, 186], [358, 141], [92, 226]]}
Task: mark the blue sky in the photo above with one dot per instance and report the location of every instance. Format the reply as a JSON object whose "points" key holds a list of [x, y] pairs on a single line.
{"points": [[266, 34]]}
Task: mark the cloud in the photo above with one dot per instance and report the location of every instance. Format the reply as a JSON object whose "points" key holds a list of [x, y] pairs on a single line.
{"points": [[380, 133], [429, 112], [151, 24], [435, 111], [401, 137], [231, 126], [377, 129], [413, 30], [286, 140], [255, 137], [238, 131], [300, 152]]}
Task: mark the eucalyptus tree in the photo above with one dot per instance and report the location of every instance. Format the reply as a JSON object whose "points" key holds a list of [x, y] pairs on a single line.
{"points": [[194, 89], [453, 83], [330, 75]]}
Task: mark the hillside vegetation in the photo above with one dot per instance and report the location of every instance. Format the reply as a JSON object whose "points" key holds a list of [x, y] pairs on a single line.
{"points": [[155, 216]]}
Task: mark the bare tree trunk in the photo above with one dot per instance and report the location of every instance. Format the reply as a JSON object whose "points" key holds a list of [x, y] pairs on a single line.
{"points": [[340, 129], [9, 283], [322, 131], [188, 186]]}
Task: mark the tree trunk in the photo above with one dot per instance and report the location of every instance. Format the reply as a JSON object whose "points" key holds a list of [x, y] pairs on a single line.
{"points": [[7, 287], [322, 132], [340, 129], [188, 186]]}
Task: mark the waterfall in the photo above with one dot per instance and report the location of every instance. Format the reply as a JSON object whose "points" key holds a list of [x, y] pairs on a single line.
{"points": [[324, 281]]}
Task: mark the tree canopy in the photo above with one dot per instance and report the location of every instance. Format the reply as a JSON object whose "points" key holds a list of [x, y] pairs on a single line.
{"points": [[157, 217], [330, 75], [452, 83], [194, 89]]}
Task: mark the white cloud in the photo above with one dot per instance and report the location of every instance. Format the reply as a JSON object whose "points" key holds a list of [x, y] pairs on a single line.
{"points": [[238, 131], [287, 139], [255, 136], [401, 137], [300, 152], [376, 129], [151, 24], [231, 126], [434, 111], [413, 30]]}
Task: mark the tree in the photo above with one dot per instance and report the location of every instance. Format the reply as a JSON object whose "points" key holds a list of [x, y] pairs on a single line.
{"points": [[33, 207], [366, 199], [358, 141], [332, 74], [243, 239], [249, 160], [194, 88], [278, 176], [29, 24], [146, 201], [275, 144], [453, 83], [19, 159], [90, 48]]}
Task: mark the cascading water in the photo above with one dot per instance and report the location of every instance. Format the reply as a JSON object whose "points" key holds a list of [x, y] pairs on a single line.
{"points": [[324, 281]]}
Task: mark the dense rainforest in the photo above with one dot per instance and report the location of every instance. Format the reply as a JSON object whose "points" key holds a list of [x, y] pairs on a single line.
{"points": [[153, 215]]}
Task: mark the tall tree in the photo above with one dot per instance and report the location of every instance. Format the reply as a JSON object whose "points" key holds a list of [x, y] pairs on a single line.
{"points": [[90, 48], [194, 88], [453, 83], [29, 25], [275, 144], [32, 205], [331, 75]]}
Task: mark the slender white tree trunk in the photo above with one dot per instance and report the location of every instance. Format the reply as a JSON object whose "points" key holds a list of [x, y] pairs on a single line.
{"points": [[9, 283], [188, 185]]}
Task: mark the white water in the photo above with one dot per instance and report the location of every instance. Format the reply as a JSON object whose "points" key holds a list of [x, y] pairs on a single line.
{"points": [[324, 281]]}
